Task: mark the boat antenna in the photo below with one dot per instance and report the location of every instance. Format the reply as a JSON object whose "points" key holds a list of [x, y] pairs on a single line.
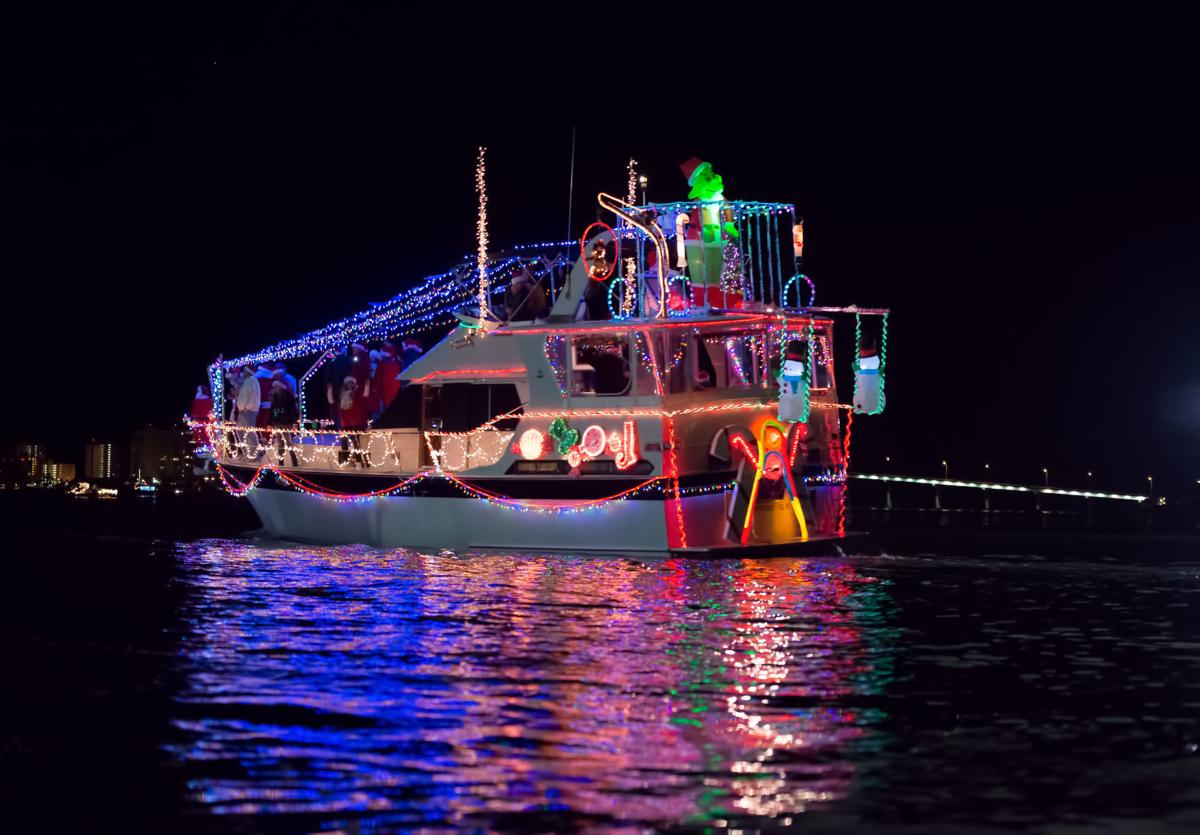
{"points": [[571, 190]]}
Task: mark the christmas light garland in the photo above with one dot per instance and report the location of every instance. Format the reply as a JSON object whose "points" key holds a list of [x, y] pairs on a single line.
{"points": [[482, 231]]}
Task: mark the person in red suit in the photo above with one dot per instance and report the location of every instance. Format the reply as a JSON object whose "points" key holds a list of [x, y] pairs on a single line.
{"points": [[384, 385], [201, 412], [353, 412]]}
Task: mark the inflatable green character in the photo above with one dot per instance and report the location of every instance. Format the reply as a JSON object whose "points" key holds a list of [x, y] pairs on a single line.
{"points": [[704, 251]]}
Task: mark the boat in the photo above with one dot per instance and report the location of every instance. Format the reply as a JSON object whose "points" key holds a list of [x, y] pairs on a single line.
{"points": [[679, 396]]}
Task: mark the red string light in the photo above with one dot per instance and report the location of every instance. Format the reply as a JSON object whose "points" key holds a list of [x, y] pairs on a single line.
{"points": [[306, 486], [471, 372], [529, 504], [846, 468], [673, 474], [739, 443], [723, 322]]}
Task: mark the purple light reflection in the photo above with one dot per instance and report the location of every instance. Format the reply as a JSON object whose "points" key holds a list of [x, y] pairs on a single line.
{"points": [[419, 689]]}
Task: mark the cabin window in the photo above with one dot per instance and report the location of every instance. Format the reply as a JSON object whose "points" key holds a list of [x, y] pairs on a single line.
{"points": [[726, 361], [600, 366], [466, 406], [822, 360], [678, 359]]}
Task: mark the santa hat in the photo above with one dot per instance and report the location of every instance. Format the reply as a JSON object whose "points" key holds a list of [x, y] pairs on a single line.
{"points": [[387, 349], [358, 346], [693, 168], [412, 345]]}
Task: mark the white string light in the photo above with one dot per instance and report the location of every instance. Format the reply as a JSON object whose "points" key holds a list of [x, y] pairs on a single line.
{"points": [[482, 231]]}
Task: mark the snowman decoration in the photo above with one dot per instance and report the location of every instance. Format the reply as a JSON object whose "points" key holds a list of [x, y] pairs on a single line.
{"points": [[868, 391], [793, 385]]}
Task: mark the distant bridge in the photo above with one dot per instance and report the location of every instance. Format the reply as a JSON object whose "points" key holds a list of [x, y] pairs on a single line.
{"points": [[1008, 488]]}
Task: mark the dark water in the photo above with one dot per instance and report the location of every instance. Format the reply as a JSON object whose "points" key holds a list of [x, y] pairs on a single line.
{"points": [[238, 685]]}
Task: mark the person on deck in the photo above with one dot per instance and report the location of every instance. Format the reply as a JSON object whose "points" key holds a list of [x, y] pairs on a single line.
{"points": [[384, 385], [525, 300], [201, 412], [353, 412], [411, 351], [249, 398], [281, 373], [284, 416], [336, 369], [266, 375]]}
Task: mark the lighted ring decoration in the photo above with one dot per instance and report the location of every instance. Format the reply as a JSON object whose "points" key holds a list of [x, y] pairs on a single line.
{"points": [[532, 444]]}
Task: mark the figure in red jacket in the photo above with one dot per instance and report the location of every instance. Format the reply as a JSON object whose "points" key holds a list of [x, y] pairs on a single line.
{"points": [[384, 385], [201, 412]]}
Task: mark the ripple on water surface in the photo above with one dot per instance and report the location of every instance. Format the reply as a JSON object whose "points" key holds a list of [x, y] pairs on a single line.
{"points": [[331, 684]]}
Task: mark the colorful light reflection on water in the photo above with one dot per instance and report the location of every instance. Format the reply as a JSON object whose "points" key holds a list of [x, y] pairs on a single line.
{"points": [[423, 689]]}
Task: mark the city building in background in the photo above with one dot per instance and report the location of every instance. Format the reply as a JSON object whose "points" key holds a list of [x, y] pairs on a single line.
{"points": [[30, 458], [101, 462], [160, 455], [54, 473]]}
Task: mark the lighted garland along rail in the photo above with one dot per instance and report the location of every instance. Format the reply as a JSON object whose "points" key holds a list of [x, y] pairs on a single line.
{"points": [[1009, 488]]}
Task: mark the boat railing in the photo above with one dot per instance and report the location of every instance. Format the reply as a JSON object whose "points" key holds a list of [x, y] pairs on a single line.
{"points": [[390, 451]]}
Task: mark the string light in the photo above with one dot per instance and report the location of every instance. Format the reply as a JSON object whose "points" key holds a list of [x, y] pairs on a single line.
{"points": [[673, 474], [542, 506], [471, 373], [841, 529], [460, 451], [812, 290], [482, 231], [554, 347], [431, 303], [630, 287], [304, 379]]}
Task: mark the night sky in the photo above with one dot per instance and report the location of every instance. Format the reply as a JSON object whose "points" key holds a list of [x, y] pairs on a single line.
{"points": [[226, 183]]}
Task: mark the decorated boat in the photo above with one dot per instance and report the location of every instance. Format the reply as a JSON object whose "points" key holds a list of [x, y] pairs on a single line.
{"points": [[664, 384]]}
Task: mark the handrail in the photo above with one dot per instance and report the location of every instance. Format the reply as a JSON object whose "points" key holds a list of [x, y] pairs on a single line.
{"points": [[638, 221]]}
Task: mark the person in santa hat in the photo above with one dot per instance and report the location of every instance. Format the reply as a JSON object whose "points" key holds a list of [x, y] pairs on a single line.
{"points": [[412, 350], [353, 415], [281, 373], [266, 375], [384, 384], [201, 412], [360, 368]]}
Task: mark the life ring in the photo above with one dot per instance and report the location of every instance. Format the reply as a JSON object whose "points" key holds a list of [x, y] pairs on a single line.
{"points": [[595, 254]]}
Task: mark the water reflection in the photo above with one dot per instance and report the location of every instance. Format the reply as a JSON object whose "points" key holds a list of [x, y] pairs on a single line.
{"points": [[424, 689]]}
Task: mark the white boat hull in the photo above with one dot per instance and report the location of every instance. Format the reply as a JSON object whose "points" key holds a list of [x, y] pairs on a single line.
{"points": [[437, 523]]}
